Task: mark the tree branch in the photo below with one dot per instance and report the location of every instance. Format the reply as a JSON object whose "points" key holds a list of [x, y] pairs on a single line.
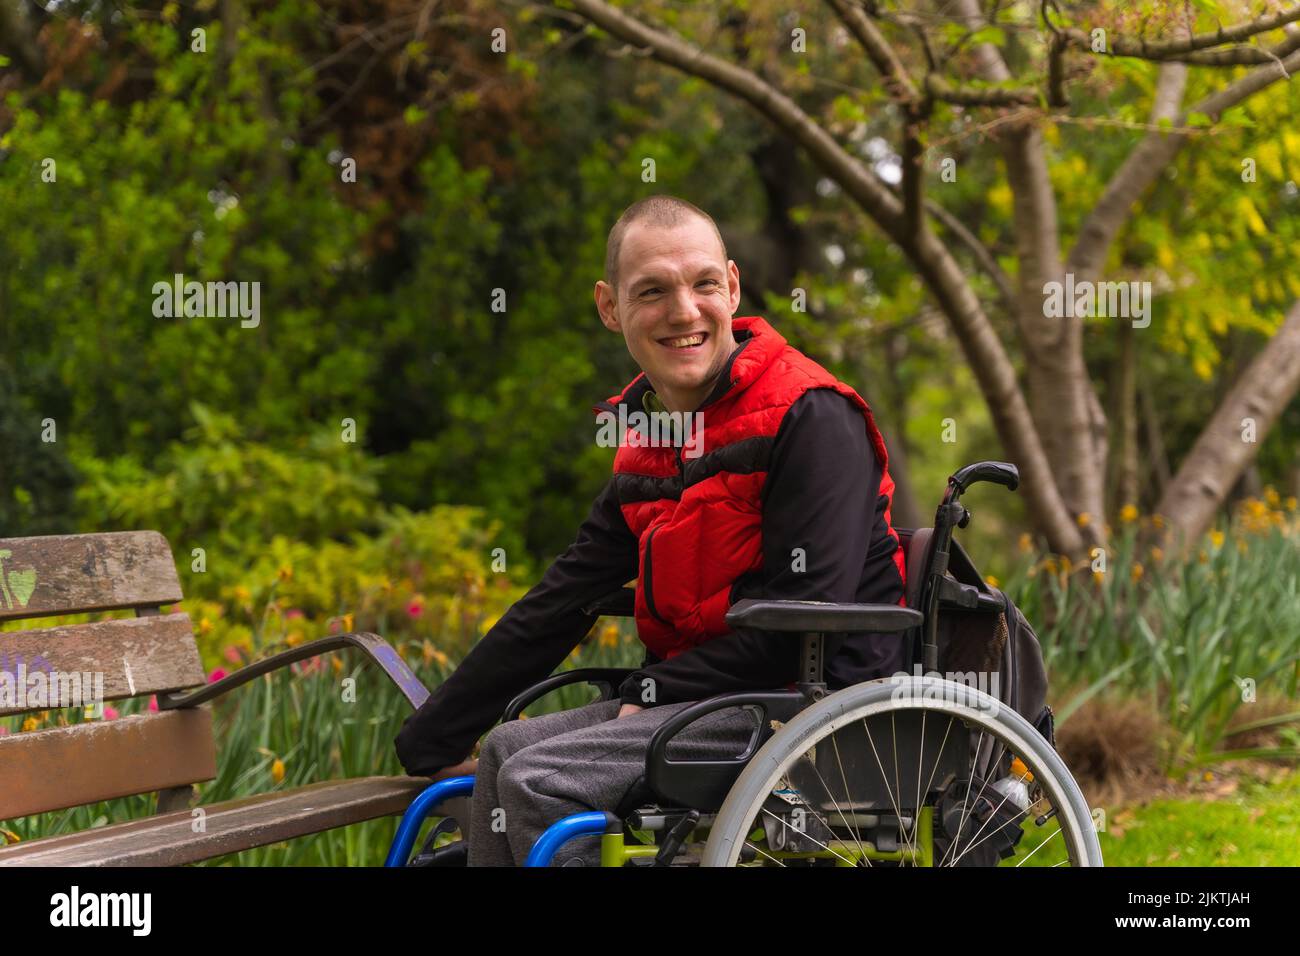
{"points": [[897, 82], [859, 181], [1150, 157], [940, 89], [1186, 49], [980, 252]]}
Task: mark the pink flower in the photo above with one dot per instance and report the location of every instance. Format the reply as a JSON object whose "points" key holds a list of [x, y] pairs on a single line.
{"points": [[153, 704], [110, 713], [216, 675], [233, 654], [4, 731], [293, 612], [415, 609]]}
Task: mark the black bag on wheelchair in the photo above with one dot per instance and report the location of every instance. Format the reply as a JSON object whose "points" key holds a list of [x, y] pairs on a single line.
{"points": [[999, 647], [986, 646]]}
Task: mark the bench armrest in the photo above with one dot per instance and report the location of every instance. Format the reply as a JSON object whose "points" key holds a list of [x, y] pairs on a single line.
{"points": [[375, 647]]}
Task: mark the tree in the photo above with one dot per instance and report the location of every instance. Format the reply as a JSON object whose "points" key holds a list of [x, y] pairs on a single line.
{"points": [[936, 67]]}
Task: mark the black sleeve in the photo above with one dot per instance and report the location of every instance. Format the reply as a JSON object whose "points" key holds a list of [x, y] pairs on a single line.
{"points": [[813, 500], [529, 641]]}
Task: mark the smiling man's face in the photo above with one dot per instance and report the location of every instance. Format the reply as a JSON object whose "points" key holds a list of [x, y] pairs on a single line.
{"points": [[674, 305]]}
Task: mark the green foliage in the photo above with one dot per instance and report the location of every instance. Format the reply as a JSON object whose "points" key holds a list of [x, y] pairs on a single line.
{"points": [[227, 495]]}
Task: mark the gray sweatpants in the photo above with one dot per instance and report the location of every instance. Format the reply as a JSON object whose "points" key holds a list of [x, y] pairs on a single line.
{"points": [[533, 772]]}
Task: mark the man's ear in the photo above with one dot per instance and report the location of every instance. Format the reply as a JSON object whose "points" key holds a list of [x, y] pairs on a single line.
{"points": [[607, 306], [733, 285]]}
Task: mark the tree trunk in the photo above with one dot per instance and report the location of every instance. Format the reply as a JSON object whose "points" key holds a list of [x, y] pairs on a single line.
{"points": [[1223, 450]]}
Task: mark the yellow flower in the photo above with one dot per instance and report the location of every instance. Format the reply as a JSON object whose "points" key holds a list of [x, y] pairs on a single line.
{"points": [[1098, 576], [10, 836], [1066, 564], [1290, 503], [1242, 546], [1026, 543], [30, 723], [1128, 514], [294, 638], [1138, 571], [337, 664], [205, 626], [442, 659], [1272, 497], [1049, 564], [347, 623], [1207, 776], [1216, 538], [1157, 521], [242, 593], [285, 573], [1083, 519], [1157, 554], [609, 635], [990, 580], [277, 770]]}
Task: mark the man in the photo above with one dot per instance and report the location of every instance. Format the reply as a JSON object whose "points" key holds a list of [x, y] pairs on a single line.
{"points": [[790, 499]]}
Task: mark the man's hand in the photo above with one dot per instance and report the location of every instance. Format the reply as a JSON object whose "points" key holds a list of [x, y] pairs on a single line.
{"points": [[458, 770], [628, 709]]}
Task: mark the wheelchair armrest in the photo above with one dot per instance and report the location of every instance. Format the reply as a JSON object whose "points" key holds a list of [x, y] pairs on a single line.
{"points": [[620, 603], [821, 616], [605, 679], [703, 784]]}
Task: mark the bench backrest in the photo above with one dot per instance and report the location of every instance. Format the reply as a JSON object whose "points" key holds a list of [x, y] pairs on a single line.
{"points": [[153, 652]]}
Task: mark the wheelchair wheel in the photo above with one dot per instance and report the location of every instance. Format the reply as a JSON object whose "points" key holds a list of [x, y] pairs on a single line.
{"points": [[906, 771]]}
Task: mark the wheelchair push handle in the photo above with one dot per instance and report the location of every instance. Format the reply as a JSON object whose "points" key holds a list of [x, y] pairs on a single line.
{"points": [[999, 472]]}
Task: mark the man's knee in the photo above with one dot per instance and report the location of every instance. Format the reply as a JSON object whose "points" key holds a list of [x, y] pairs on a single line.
{"points": [[501, 742]]}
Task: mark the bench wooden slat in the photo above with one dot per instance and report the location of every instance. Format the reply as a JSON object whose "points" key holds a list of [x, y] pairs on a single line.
{"points": [[169, 839], [84, 763], [136, 656], [72, 573]]}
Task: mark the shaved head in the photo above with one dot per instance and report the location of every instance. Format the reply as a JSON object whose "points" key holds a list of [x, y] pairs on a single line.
{"points": [[663, 211]]}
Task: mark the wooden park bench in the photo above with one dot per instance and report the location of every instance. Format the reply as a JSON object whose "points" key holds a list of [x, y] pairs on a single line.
{"points": [[164, 752]]}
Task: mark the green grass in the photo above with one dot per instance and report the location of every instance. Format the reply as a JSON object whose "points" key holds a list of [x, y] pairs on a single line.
{"points": [[1257, 826]]}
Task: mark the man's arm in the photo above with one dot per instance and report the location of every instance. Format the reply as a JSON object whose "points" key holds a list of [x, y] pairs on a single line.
{"points": [[529, 641], [815, 499]]}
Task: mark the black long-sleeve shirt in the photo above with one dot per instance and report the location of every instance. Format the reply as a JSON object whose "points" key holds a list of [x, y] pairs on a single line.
{"points": [[822, 495]]}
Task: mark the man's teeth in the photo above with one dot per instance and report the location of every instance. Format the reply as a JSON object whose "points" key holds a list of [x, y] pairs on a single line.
{"points": [[685, 341]]}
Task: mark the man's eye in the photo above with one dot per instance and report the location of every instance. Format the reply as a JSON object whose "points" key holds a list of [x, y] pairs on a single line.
{"points": [[648, 292], [708, 282]]}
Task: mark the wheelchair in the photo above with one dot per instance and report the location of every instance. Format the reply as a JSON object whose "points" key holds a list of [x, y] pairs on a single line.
{"points": [[912, 770]]}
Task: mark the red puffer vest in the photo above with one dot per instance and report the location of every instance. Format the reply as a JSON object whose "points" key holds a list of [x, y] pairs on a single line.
{"points": [[698, 519]]}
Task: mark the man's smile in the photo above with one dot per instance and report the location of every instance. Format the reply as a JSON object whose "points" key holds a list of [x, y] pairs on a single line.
{"points": [[689, 343]]}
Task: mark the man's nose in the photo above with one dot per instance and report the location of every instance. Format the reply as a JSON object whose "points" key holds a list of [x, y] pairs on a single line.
{"points": [[684, 307]]}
